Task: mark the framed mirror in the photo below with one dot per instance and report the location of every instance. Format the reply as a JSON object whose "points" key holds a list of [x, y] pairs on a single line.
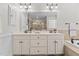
{"points": [[37, 23]]}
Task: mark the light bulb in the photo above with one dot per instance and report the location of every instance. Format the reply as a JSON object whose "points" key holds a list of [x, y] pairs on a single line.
{"points": [[51, 7], [29, 6], [25, 7], [47, 7], [21, 6], [56, 6]]}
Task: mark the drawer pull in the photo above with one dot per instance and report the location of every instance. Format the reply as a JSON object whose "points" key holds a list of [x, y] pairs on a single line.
{"points": [[38, 43], [20, 41], [38, 51], [55, 41]]}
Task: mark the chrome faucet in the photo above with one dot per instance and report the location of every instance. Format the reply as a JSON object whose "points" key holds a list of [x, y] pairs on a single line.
{"points": [[68, 28]]}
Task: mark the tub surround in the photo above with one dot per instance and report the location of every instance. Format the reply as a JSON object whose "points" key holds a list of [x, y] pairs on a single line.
{"points": [[38, 43]]}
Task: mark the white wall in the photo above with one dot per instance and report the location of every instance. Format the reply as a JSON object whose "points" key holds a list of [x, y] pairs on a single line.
{"points": [[4, 16], [5, 45], [0, 25], [68, 13]]}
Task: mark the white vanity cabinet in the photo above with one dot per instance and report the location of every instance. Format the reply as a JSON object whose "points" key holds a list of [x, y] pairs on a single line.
{"points": [[21, 44], [38, 44]]}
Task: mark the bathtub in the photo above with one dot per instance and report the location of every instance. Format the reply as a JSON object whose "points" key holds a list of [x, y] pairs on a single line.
{"points": [[71, 49], [75, 42]]}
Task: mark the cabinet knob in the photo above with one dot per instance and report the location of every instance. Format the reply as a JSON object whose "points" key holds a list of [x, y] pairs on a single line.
{"points": [[20, 41], [37, 50], [38, 43], [55, 41]]}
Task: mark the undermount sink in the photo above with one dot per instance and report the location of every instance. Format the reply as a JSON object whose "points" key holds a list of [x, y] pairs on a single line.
{"points": [[37, 32]]}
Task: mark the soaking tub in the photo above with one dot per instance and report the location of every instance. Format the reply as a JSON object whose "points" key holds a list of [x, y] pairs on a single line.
{"points": [[72, 49]]}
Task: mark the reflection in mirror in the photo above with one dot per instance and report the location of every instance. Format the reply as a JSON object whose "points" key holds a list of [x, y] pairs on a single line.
{"points": [[37, 23]]}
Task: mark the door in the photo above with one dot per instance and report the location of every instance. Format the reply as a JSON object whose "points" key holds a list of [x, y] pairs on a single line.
{"points": [[59, 46], [17, 43], [51, 47], [25, 47]]}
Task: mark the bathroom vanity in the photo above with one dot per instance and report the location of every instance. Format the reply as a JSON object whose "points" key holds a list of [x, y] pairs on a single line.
{"points": [[38, 43]]}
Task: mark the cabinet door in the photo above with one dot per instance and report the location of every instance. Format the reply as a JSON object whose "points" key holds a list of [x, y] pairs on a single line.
{"points": [[17, 47], [25, 47], [51, 47], [20, 47], [59, 46]]}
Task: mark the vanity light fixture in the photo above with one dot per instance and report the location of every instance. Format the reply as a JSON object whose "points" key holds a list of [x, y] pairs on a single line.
{"points": [[56, 5], [21, 5], [52, 6], [24, 5]]}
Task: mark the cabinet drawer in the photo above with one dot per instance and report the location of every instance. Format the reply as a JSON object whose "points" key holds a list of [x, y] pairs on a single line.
{"points": [[21, 37], [39, 37], [55, 38], [38, 42], [34, 37], [20, 46], [38, 50], [42, 37]]}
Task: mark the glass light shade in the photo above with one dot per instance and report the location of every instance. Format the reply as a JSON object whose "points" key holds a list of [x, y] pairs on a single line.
{"points": [[21, 6], [51, 7], [47, 6], [25, 7], [56, 6], [29, 6]]}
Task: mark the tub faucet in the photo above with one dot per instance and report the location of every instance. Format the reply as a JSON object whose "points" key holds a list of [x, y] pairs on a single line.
{"points": [[72, 40]]}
